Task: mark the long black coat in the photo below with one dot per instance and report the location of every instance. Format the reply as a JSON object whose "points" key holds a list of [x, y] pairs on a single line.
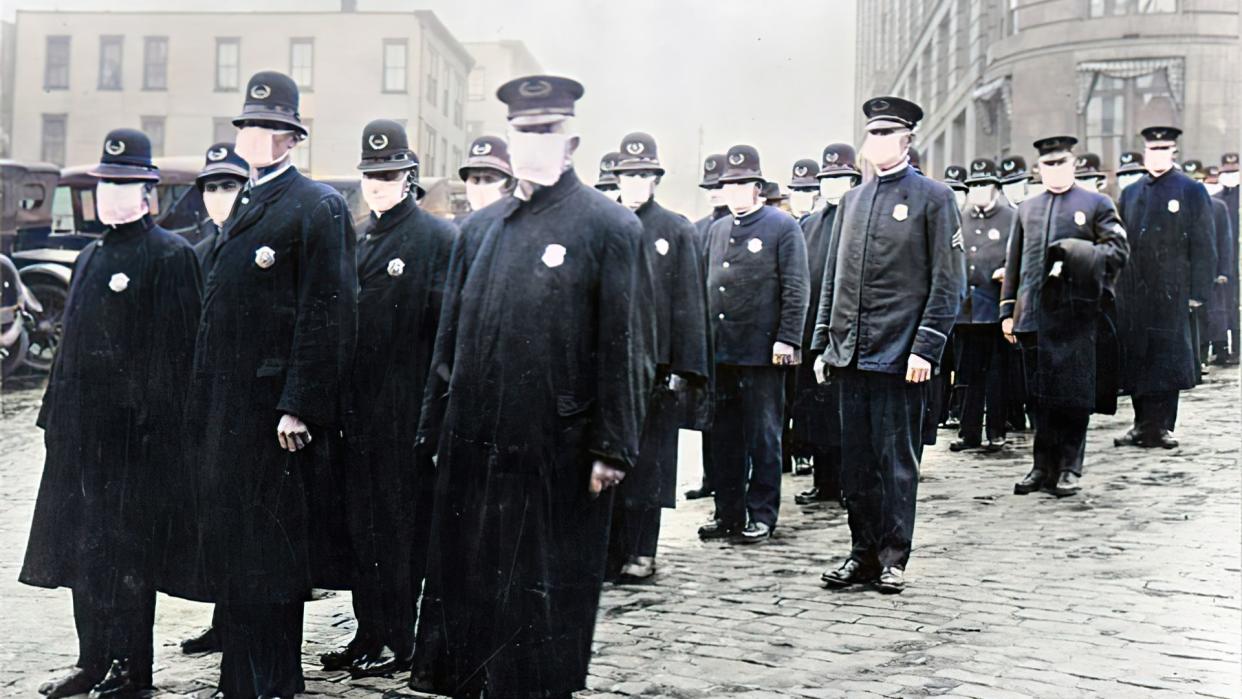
{"points": [[111, 413], [1072, 315], [543, 364], [1229, 195], [1172, 260], [402, 262], [986, 235], [816, 419], [277, 330], [1227, 267]]}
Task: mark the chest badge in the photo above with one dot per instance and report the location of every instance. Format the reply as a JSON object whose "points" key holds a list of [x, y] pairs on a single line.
{"points": [[661, 246], [554, 255], [900, 212], [755, 245], [396, 267], [264, 257], [1080, 218], [993, 234], [1174, 206], [119, 282]]}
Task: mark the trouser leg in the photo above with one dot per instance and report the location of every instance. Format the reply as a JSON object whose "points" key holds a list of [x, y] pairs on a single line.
{"points": [[729, 457], [896, 434], [645, 532], [994, 395], [860, 481], [116, 624], [261, 650], [828, 470], [971, 375], [1155, 413], [763, 398]]}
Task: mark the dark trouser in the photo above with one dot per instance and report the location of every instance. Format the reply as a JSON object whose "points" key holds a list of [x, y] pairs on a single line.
{"points": [[635, 532], [384, 608], [1155, 413], [881, 445], [709, 482], [116, 625], [1198, 317], [1060, 433], [980, 374], [827, 474], [746, 443], [262, 650]]}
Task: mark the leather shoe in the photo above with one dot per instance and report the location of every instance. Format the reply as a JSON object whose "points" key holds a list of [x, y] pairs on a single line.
{"points": [[755, 532], [77, 682], [892, 581], [206, 642], [851, 572], [1129, 439], [700, 492], [717, 529], [639, 569], [1066, 485], [803, 467], [963, 445], [995, 444], [1164, 440], [382, 663], [811, 496], [1030, 483], [349, 655], [117, 685]]}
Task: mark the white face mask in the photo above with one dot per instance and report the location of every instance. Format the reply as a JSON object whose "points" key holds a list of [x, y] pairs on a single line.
{"points": [[1158, 160], [801, 201], [483, 194], [220, 203], [1034, 189], [832, 189], [1058, 178], [1128, 179], [118, 203], [959, 197], [636, 190], [981, 196], [884, 151], [1015, 192], [1090, 183], [1213, 188], [1229, 179], [257, 145], [715, 197], [538, 157], [741, 197], [382, 195]]}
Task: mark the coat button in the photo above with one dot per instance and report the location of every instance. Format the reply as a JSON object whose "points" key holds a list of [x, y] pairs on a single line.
{"points": [[245, 200], [722, 289], [737, 222], [974, 249], [972, 268], [725, 265], [721, 316], [731, 240]]}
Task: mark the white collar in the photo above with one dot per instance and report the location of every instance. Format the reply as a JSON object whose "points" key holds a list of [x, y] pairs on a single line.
{"points": [[905, 162], [273, 174]]}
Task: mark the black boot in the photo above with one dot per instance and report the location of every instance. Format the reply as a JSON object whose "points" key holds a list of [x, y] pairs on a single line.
{"points": [[700, 492], [344, 658], [206, 642], [718, 529]]}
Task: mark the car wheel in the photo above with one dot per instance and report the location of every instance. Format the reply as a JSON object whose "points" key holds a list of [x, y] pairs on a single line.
{"points": [[46, 331]]}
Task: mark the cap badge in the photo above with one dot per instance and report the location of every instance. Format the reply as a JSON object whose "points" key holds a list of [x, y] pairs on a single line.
{"points": [[800, 171], [114, 147], [737, 158], [553, 255], [119, 282], [217, 154], [378, 141], [831, 157], [1080, 218], [661, 246], [1008, 164], [709, 165], [1174, 206], [260, 91], [264, 257], [1231, 158], [535, 88], [634, 148], [609, 164], [1127, 158], [879, 105], [1158, 134], [396, 267], [481, 148], [1191, 167]]}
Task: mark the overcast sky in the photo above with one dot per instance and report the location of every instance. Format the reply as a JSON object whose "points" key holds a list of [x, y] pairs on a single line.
{"points": [[777, 74]]}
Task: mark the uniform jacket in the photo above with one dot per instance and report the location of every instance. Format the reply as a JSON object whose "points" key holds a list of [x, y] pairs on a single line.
{"points": [[986, 235], [895, 274], [277, 331], [1227, 267], [1172, 260], [814, 409], [1229, 195], [680, 304], [757, 283], [112, 413], [701, 225]]}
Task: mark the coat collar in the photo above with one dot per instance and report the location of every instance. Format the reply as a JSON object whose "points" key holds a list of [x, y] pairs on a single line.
{"points": [[125, 231], [254, 199], [393, 217], [545, 197], [895, 174], [752, 217]]}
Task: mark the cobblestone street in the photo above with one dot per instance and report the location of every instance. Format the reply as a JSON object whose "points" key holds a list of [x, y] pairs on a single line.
{"points": [[1131, 589]]}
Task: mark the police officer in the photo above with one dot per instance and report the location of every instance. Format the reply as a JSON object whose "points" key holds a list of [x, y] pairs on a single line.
{"points": [[980, 352], [1209, 321], [111, 414], [1014, 178], [1065, 250], [882, 326], [1229, 195], [1129, 169], [402, 260], [680, 306], [1087, 172], [223, 175], [946, 406], [486, 172], [804, 189], [774, 197], [274, 341], [816, 420], [607, 180], [1016, 186], [757, 281], [955, 178]]}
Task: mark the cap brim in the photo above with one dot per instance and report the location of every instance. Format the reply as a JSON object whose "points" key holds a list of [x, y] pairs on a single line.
{"points": [[889, 122], [838, 172], [269, 115], [1127, 169], [738, 179], [982, 180], [804, 182], [1014, 178], [124, 172], [638, 167], [386, 166], [537, 119], [216, 169]]}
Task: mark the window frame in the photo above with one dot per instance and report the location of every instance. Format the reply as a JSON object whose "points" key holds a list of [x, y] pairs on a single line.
{"points": [[147, 43], [294, 42], [63, 120], [105, 41], [58, 39], [404, 45], [234, 41]]}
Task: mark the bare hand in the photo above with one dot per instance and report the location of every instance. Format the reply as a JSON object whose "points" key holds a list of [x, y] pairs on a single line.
{"points": [[999, 274], [782, 354], [1007, 331], [1222, 279], [292, 433], [821, 369], [918, 369], [604, 477]]}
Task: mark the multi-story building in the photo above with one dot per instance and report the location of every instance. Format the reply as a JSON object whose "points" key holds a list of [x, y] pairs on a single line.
{"points": [[495, 63], [180, 76], [994, 75]]}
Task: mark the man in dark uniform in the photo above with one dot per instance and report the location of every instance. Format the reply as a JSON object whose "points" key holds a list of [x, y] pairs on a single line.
{"points": [[1014, 179], [804, 189], [680, 306], [757, 283], [955, 178], [1065, 250], [892, 286], [945, 404], [111, 417], [981, 365], [1200, 317], [713, 165], [274, 342], [1016, 188], [1229, 195], [1129, 169], [607, 180], [1087, 172], [816, 421], [1171, 270], [1212, 319], [402, 262], [486, 172], [223, 175], [538, 389]]}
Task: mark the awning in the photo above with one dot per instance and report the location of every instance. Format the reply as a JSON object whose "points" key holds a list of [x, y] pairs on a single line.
{"points": [[1130, 68]]}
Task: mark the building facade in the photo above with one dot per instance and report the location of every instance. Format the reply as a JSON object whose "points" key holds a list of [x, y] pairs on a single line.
{"points": [[994, 75], [180, 77], [496, 63]]}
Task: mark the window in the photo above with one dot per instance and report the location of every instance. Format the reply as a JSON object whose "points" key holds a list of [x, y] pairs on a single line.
{"points": [[153, 127], [155, 63], [443, 153], [429, 151], [222, 130], [459, 90], [445, 84], [433, 76], [302, 152], [1011, 17], [54, 133], [302, 61], [56, 65], [1117, 107], [477, 82], [228, 64], [457, 161], [394, 65], [959, 139], [110, 62], [1107, 8]]}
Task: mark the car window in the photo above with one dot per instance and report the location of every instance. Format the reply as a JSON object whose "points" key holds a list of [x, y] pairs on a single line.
{"points": [[62, 210]]}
